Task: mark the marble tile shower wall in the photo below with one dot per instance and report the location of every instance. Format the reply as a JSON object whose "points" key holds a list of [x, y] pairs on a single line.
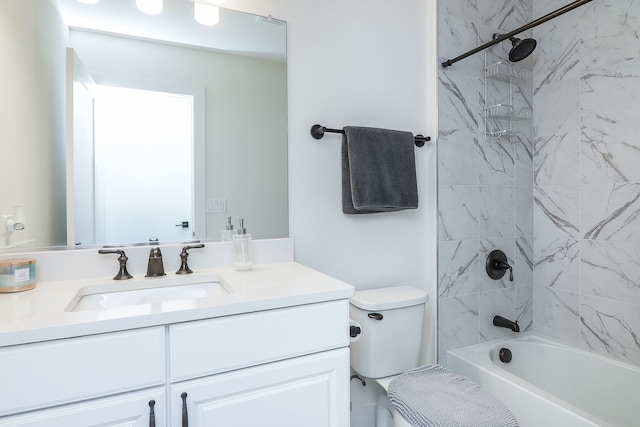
{"points": [[563, 200], [485, 198], [587, 176]]}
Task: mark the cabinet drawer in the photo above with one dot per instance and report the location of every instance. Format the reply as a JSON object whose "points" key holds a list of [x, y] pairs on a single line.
{"points": [[55, 372], [227, 343]]}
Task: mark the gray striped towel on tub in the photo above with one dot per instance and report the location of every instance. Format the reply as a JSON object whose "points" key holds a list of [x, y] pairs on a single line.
{"points": [[433, 396]]}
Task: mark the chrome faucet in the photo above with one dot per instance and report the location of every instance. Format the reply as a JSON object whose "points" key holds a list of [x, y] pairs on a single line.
{"points": [[501, 322], [155, 268]]}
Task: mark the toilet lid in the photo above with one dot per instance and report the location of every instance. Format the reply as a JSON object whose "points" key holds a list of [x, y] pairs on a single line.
{"points": [[389, 298]]}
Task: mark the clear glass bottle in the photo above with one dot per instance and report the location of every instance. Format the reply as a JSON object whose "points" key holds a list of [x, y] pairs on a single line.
{"points": [[242, 248], [227, 233]]}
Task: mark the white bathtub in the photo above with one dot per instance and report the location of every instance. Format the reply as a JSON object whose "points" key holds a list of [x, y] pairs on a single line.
{"points": [[550, 384]]}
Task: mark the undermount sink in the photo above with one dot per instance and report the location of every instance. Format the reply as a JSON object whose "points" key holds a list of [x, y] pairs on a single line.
{"points": [[118, 294]]}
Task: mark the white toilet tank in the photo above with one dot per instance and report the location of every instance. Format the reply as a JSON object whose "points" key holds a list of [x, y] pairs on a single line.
{"points": [[391, 323]]}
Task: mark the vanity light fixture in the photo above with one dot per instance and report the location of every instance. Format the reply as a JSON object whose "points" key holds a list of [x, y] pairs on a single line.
{"points": [[89, 1], [205, 12], [150, 7]]}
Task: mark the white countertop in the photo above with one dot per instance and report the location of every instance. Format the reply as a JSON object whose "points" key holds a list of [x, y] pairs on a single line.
{"points": [[40, 315]]}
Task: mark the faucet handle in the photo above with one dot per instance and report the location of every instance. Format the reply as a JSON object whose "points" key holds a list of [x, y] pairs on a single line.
{"points": [[184, 268], [497, 265], [123, 274]]}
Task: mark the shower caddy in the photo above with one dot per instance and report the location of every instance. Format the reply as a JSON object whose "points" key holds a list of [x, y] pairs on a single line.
{"points": [[501, 114]]}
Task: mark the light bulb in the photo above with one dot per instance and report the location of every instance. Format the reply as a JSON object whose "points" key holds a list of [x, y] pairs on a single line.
{"points": [[150, 7], [206, 14]]}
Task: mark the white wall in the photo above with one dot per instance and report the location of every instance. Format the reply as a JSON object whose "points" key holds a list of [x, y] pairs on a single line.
{"points": [[32, 67]]}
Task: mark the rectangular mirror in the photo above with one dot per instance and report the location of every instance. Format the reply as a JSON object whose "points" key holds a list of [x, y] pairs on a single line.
{"points": [[82, 168]]}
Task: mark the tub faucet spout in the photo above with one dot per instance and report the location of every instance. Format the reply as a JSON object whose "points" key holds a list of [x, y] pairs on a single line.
{"points": [[501, 322]]}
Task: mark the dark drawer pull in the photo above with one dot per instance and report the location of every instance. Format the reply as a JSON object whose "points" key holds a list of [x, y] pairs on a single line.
{"points": [[152, 414], [185, 418]]}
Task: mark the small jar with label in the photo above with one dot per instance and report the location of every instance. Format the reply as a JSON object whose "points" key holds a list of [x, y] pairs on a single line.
{"points": [[17, 274]]}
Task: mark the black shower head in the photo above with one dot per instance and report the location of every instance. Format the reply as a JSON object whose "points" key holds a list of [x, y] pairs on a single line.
{"points": [[521, 48]]}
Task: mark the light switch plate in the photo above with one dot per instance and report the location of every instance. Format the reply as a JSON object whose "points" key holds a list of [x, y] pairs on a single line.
{"points": [[217, 205]]}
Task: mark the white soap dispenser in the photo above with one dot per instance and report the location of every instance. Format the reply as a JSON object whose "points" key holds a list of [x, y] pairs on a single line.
{"points": [[242, 248], [227, 233]]}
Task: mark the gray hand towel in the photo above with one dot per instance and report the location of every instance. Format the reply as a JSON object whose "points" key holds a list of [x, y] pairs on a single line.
{"points": [[378, 170], [433, 396]]}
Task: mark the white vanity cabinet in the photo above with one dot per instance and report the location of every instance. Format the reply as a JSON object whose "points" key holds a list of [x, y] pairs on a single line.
{"points": [[283, 367], [286, 367]]}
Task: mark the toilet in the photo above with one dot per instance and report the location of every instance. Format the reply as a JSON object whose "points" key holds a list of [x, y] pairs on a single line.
{"points": [[390, 320], [387, 350]]}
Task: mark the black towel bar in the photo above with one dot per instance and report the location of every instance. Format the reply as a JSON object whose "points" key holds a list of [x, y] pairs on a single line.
{"points": [[317, 132]]}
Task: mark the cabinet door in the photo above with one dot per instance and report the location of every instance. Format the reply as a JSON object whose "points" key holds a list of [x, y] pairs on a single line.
{"points": [[310, 391], [126, 410]]}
